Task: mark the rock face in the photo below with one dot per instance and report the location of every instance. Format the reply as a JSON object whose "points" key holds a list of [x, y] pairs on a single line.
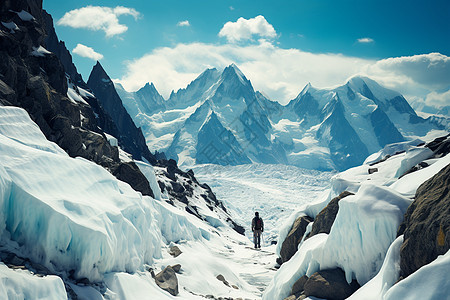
{"points": [[324, 220], [427, 224], [167, 280], [129, 172], [329, 284], [131, 137], [294, 237]]}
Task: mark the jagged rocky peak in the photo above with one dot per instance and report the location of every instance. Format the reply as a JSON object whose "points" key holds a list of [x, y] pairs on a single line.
{"points": [[98, 72], [131, 137], [233, 73]]}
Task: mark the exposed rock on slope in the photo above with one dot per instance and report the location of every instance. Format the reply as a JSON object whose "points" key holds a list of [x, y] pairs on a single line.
{"points": [[130, 137], [426, 227], [294, 237], [324, 220]]}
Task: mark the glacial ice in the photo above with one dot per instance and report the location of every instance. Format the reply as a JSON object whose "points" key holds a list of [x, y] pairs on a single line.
{"points": [[71, 214], [21, 284]]}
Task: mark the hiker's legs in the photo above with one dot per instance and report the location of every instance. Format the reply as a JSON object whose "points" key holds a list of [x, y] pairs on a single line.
{"points": [[258, 239], [255, 234]]}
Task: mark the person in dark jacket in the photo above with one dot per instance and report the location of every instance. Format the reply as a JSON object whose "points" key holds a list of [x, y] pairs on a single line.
{"points": [[257, 228]]}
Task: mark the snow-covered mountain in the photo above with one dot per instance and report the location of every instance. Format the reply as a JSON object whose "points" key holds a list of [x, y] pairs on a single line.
{"points": [[219, 118], [223, 105]]}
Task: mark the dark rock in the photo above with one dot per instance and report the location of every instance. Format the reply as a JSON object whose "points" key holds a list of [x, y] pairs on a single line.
{"points": [[152, 272], [221, 278], [426, 224], [177, 187], [329, 284], [325, 219], [131, 137], [130, 173], [175, 251], [373, 170], [167, 280], [299, 285], [6, 92], [176, 268], [440, 146], [294, 237]]}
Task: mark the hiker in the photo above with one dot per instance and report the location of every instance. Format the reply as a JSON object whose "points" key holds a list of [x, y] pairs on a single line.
{"points": [[257, 228]]}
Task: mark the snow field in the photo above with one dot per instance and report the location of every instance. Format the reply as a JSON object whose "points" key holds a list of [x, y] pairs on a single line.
{"points": [[273, 190]]}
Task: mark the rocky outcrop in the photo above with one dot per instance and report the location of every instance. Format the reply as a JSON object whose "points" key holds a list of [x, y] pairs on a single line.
{"points": [[426, 224], [130, 138], [329, 284], [180, 186], [54, 45], [35, 80], [294, 237], [440, 146], [325, 284], [325, 219], [129, 172], [167, 280]]}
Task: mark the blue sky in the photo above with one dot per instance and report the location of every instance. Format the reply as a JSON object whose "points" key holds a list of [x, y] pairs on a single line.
{"points": [[279, 45]]}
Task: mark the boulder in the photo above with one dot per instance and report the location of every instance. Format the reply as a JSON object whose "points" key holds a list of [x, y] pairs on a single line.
{"points": [[329, 284], [176, 268], [221, 278], [426, 224], [167, 280], [130, 173], [175, 251], [325, 219], [299, 285], [372, 170], [294, 237]]}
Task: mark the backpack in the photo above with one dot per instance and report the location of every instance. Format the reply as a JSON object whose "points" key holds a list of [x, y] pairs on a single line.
{"points": [[258, 223]]}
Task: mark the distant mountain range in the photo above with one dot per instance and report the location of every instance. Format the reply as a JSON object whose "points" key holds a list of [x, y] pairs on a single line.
{"points": [[219, 118]]}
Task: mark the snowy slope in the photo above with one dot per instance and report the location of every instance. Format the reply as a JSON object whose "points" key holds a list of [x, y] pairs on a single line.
{"points": [[71, 214], [365, 226]]}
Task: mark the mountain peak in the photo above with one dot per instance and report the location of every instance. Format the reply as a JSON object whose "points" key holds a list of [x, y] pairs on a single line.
{"points": [[370, 88], [99, 72], [232, 72]]}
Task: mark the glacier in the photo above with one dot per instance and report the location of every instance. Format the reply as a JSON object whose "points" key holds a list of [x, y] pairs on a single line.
{"points": [[72, 215]]}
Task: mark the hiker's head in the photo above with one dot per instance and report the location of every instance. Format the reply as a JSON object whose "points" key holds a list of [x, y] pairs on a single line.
{"points": [[257, 214]]}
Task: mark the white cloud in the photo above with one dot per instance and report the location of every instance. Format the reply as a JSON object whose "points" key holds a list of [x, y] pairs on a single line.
{"points": [[184, 23], [365, 40], [244, 29], [426, 70], [282, 73], [86, 51], [98, 18], [438, 99]]}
